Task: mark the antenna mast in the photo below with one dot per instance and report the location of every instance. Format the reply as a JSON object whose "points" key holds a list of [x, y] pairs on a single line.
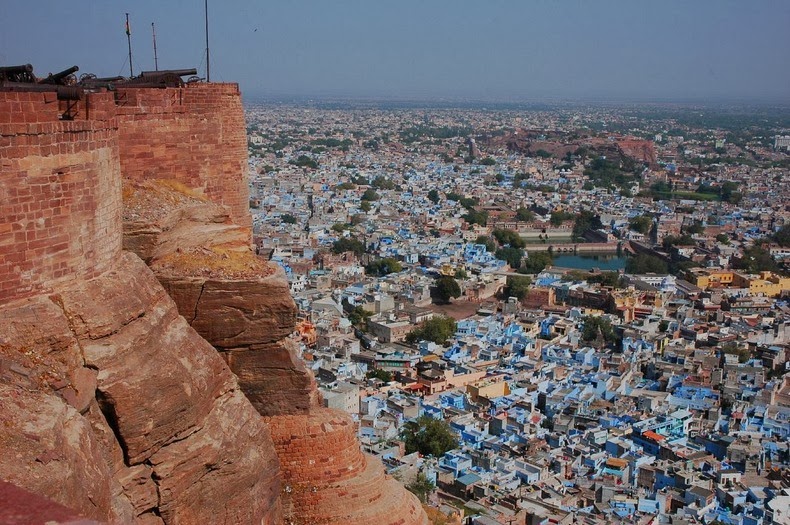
{"points": [[129, 43], [208, 64], [156, 60]]}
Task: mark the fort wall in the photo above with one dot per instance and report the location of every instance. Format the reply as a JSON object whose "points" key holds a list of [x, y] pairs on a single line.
{"points": [[60, 198], [195, 135]]}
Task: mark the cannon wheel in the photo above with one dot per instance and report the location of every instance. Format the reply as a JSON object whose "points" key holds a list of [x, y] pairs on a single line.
{"points": [[171, 80], [87, 76]]}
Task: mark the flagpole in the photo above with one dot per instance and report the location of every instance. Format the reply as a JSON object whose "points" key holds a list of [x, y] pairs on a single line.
{"points": [[208, 65], [156, 59], [129, 43]]}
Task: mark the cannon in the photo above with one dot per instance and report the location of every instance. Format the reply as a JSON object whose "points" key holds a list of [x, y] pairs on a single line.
{"points": [[162, 78], [179, 72], [23, 73], [63, 92], [63, 78]]}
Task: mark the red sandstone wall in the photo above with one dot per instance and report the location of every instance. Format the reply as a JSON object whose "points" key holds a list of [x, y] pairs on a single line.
{"points": [[195, 135], [60, 191]]}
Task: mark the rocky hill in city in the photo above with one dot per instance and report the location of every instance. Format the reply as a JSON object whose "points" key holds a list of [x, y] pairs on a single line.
{"points": [[146, 365]]}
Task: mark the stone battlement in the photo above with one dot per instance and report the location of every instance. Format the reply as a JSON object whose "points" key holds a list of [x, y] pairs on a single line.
{"points": [[60, 205], [195, 135]]}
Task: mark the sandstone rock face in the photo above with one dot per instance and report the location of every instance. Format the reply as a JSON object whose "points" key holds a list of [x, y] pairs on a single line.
{"points": [[274, 378], [235, 300], [243, 307], [248, 321], [235, 313], [21, 506], [118, 409], [161, 217], [49, 449]]}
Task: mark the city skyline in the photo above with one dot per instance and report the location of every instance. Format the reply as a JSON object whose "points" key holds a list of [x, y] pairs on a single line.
{"points": [[611, 51]]}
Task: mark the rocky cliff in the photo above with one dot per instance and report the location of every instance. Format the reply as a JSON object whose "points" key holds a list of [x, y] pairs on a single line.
{"points": [[135, 401]]}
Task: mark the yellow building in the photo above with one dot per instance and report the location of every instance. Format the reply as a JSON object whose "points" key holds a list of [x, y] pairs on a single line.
{"points": [[765, 284], [769, 284], [488, 390]]}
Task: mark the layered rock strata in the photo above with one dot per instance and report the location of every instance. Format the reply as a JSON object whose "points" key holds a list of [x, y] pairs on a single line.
{"points": [[118, 409], [242, 306], [112, 404], [237, 301]]}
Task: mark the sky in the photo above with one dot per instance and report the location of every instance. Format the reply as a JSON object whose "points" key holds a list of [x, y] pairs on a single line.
{"points": [[498, 50]]}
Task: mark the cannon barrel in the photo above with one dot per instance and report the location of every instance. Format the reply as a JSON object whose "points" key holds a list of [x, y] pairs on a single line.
{"points": [[63, 92], [179, 72], [23, 73], [105, 79], [12, 70], [57, 78]]}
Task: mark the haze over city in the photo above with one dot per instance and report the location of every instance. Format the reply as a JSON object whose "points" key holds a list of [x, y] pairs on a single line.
{"points": [[698, 51], [395, 263]]}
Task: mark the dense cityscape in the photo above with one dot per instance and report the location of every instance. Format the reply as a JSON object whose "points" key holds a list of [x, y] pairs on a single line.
{"points": [[544, 314], [395, 263]]}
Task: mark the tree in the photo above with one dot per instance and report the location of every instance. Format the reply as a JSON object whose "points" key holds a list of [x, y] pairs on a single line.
{"points": [[380, 374], [304, 161], [429, 436], [517, 286], [488, 161], [365, 206], [695, 228], [287, 218], [729, 193], [560, 216], [586, 220], [595, 326], [460, 273], [611, 279], [421, 487], [782, 237], [512, 256], [524, 215], [476, 217], [641, 224], [437, 329], [383, 267], [537, 261], [509, 237], [370, 195], [644, 263], [732, 348], [445, 288], [673, 240], [757, 259], [348, 245], [490, 244], [358, 316], [382, 183], [723, 238], [433, 196]]}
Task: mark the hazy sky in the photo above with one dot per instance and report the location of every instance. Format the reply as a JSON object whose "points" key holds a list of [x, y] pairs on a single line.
{"points": [[484, 49]]}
